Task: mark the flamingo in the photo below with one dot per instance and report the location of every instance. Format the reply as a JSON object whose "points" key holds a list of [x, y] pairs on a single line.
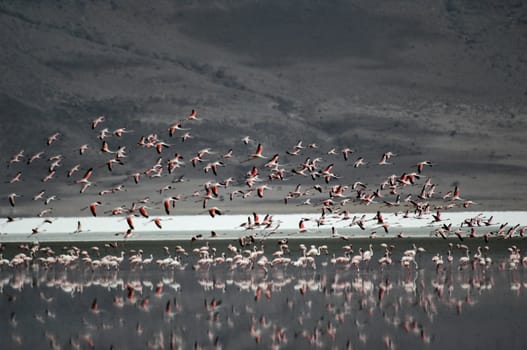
{"points": [[35, 157], [85, 178], [246, 140], [468, 203], [55, 164], [73, 170], [301, 226], [143, 211], [85, 187], [12, 197], [186, 136], [130, 222], [422, 164], [97, 121], [260, 190], [193, 115], [214, 211], [257, 153], [93, 207], [346, 152], [17, 157], [368, 254], [299, 145], [79, 227], [167, 203], [94, 307], [228, 154], [105, 148], [356, 259], [202, 152], [359, 162], [295, 152], [327, 174], [53, 138], [384, 159], [83, 148], [148, 260], [455, 194], [273, 163], [49, 199], [174, 127], [136, 176], [214, 167], [120, 131], [16, 178], [49, 176], [39, 195], [103, 134]]}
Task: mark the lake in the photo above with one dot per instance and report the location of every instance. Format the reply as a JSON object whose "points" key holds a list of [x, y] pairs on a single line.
{"points": [[80, 295]]}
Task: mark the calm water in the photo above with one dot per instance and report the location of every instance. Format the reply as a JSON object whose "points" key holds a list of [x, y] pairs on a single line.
{"points": [[217, 305]]}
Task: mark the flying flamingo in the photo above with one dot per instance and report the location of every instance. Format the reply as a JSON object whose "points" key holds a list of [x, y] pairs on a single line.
{"points": [[12, 197], [143, 211], [93, 207], [273, 163], [35, 157], [260, 190], [227, 154], [50, 199], [85, 178], [157, 222], [246, 140], [39, 195], [204, 151], [103, 134], [105, 148], [294, 152], [193, 115], [83, 148], [120, 131], [301, 226], [129, 221], [16, 178], [167, 203], [49, 176], [17, 157], [73, 170], [186, 136], [346, 152], [214, 211], [55, 164], [53, 138], [79, 227], [258, 153], [136, 177], [85, 187], [174, 127], [422, 164], [455, 195], [97, 121]]}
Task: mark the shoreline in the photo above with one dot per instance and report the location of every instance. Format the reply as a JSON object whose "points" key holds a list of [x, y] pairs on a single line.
{"points": [[183, 227]]}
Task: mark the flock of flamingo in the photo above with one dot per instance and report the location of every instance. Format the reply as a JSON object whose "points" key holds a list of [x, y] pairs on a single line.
{"points": [[182, 300], [349, 285], [223, 296], [318, 181]]}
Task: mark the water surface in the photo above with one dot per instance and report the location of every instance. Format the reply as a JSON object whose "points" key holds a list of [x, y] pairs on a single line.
{"points": [[231, 306]]}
